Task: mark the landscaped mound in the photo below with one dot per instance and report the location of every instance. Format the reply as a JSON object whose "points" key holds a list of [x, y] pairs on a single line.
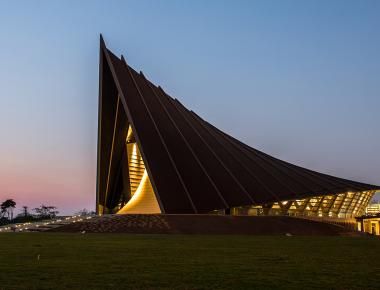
{"points": [[203, 224]]}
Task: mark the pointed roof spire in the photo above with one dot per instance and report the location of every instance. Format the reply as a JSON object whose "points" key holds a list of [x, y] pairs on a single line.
{"points": [[102, 42]]}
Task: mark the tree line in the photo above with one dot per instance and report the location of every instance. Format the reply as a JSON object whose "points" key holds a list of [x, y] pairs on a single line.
{"points": [[42, 212]]}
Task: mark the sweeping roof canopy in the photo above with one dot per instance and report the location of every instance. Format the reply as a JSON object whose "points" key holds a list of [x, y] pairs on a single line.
{"points": [[193, 166]]}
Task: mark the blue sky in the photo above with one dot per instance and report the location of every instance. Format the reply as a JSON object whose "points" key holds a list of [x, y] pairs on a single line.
{"points": [[297, 79]]}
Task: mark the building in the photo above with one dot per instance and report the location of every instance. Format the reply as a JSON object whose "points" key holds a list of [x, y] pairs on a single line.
{"points": [[369, 224], [157, 156], [372, 209]]}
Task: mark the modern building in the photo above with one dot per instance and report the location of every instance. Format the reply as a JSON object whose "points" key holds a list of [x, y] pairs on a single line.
{"points": [[373, 208], [157, 156], [369, 224]]}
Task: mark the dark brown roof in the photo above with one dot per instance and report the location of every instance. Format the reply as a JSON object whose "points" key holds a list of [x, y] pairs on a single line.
{"points": [[193, 166]]}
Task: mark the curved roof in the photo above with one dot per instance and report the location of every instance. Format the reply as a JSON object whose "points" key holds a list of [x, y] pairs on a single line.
{"points": [[193, 166]]}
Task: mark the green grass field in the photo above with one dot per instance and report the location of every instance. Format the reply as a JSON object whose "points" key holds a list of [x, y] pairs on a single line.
{"points": [[110, 261]]}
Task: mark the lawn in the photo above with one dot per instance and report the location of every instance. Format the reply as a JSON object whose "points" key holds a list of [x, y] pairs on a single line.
{"points": [[111, 261]]}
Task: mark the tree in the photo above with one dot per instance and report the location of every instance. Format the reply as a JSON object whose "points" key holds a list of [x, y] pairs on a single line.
{"points": [[84, 212], [46, 211], [3, 211], [7, 208], [25, 212]]}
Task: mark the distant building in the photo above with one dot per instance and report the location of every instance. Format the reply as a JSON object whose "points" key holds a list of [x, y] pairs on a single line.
{"points": [[372, 209], [369, 224], [157, 156]]}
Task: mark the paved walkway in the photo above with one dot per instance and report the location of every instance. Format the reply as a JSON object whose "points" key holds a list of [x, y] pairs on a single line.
{"points": [[43, 225]]}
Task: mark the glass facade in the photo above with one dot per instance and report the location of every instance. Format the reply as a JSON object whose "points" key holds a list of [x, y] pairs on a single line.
{"points": [[342, 205]]}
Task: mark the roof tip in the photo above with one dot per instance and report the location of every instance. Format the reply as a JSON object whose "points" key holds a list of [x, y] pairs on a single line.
{"points": [[102, 42]]}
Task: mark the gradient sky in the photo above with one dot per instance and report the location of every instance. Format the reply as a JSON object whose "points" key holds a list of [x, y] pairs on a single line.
{"points": [[297, 79]]}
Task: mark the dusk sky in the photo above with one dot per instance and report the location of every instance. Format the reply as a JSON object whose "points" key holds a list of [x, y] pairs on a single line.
{"points": [[299, 80]]}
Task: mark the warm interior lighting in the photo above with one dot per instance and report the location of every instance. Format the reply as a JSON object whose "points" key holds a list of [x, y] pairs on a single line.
{"points": [[136, 166], [143, 201], [342, 205], [142, 197], [129, 134]]}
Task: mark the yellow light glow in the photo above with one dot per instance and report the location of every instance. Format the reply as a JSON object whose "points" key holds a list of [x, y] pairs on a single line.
{"points": [[143, 201], [134, 152], [129, 134]]}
